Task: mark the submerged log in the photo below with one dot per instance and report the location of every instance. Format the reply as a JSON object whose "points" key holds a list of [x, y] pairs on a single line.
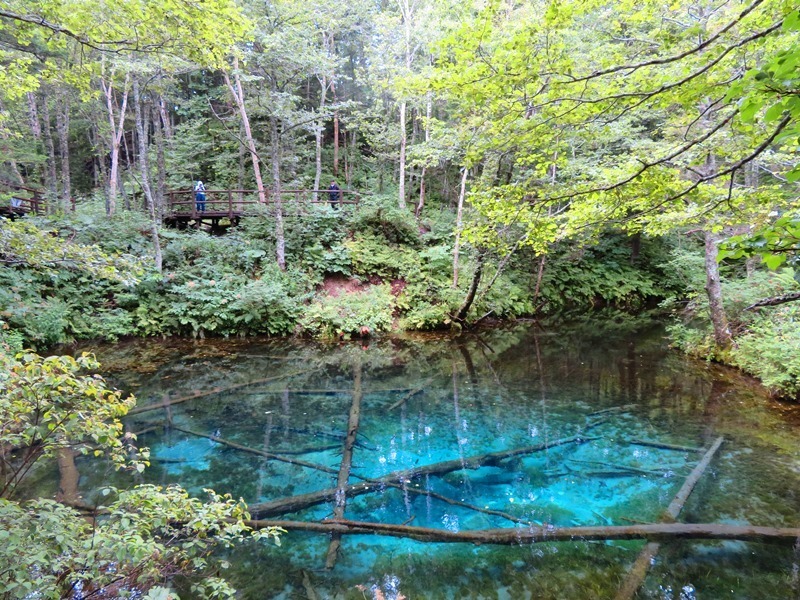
{"points": [[638, 571], [340, 501], [417, 390], [270, 455], [291, 504], [137, 410], [662, 446], [534, 535]]}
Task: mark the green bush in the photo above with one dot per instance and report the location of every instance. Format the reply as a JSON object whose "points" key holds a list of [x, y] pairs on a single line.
{"points": [[346, 314], [770, 350]]}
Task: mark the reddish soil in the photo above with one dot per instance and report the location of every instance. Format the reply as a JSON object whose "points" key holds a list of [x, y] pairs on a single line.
{"points": [[336, 285]]}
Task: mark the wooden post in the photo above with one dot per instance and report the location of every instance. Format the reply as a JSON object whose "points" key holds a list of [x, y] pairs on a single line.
{"points": [[194, 204], [230, 204]]}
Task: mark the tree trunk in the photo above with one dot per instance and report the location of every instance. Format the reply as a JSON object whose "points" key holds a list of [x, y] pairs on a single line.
{"points": [[335, 134], [280, 241], [238, 95], [340, 502], [722, 332], [461, 315], [51, 179], [36, 129], [12, 164], [516, 536], [161, 163], [117, 128], [421, 203], [281, 506], [62, 129], [145, 174], [459, 214], [318, 129], [402, 182]]}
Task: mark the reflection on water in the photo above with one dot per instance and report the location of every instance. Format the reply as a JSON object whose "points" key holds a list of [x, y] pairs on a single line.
{"points": [[505, 428]]}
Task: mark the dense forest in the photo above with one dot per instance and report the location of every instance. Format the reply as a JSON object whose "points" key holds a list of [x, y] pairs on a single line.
{"points": [[496, 160]]}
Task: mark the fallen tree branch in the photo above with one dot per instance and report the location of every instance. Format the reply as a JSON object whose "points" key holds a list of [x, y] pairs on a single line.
{"points": [[775, 300], [340, 501], [147, 408], [662, 445], [411, 394], [295, 503], [270, 455], [638, 571], [533, 535]]}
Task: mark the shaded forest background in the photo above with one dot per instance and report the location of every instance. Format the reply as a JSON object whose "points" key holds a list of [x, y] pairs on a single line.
{"points": [[513, 160]]}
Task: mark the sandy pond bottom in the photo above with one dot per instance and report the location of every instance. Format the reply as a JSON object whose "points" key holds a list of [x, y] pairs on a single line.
{"points": [[428, 399]]}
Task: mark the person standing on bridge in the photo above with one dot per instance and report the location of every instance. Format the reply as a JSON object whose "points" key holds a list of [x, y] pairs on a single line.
{"points": [[334, 195], [200, 196]]}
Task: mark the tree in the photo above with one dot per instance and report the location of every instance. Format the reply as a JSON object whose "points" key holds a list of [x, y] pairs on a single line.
{"points": [[143, 537], [630, 127]]}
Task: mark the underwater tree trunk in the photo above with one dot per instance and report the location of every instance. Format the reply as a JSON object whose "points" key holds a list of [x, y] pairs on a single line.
{"points": [[294, 503], [340, 501], [638, 571], [515, 536]]}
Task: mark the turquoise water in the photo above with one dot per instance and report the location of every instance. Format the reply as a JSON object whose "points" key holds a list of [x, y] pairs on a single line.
{"points": [[429, 399]]}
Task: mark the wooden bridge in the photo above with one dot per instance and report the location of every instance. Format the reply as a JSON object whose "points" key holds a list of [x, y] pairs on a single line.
{"points": [[22, 201], [224, 208]]}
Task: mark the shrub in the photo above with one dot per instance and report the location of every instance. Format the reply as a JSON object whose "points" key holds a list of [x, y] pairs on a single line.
{"points": [[346, 314]]}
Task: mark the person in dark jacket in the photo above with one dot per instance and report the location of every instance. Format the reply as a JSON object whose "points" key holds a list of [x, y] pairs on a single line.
{"points": [[334, 195]]}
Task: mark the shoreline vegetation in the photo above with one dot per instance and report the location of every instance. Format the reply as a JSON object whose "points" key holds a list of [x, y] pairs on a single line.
{"points": [[83, 276]]}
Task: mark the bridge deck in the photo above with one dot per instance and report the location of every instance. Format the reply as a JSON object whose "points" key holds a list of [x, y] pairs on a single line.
{"points": [[224, 208]]}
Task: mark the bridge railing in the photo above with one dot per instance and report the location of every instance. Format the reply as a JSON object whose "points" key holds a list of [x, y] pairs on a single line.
{"points": [[21, 200], [234, 203]]}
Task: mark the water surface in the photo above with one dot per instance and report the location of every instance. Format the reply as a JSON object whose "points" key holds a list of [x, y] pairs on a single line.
{"points": [[434, 398]]}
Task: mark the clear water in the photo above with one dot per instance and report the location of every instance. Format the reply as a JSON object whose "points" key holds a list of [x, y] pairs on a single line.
{"points": [[501, 389]]}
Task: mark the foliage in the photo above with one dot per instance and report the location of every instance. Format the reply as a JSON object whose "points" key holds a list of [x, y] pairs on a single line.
{"points": [[47, 406], [776, 244], [346, 315], [143, 537], [606, 273], [770, 350]]}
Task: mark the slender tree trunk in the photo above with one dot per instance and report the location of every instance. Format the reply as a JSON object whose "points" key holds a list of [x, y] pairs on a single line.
{"points": [[459, 214], [539, 276], [335, 134], [238, 95], [421, 203], [117, 130], [318, 129], [461, 315], [12, 164], [36, 129], [161, 164], [403, 140], [719, 320], [280, 242], [162, 109], [145, 173], [62, 129], [51, 179]]}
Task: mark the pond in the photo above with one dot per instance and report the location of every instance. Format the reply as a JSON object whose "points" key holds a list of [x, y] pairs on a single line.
{"points": [[569, 411]]}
